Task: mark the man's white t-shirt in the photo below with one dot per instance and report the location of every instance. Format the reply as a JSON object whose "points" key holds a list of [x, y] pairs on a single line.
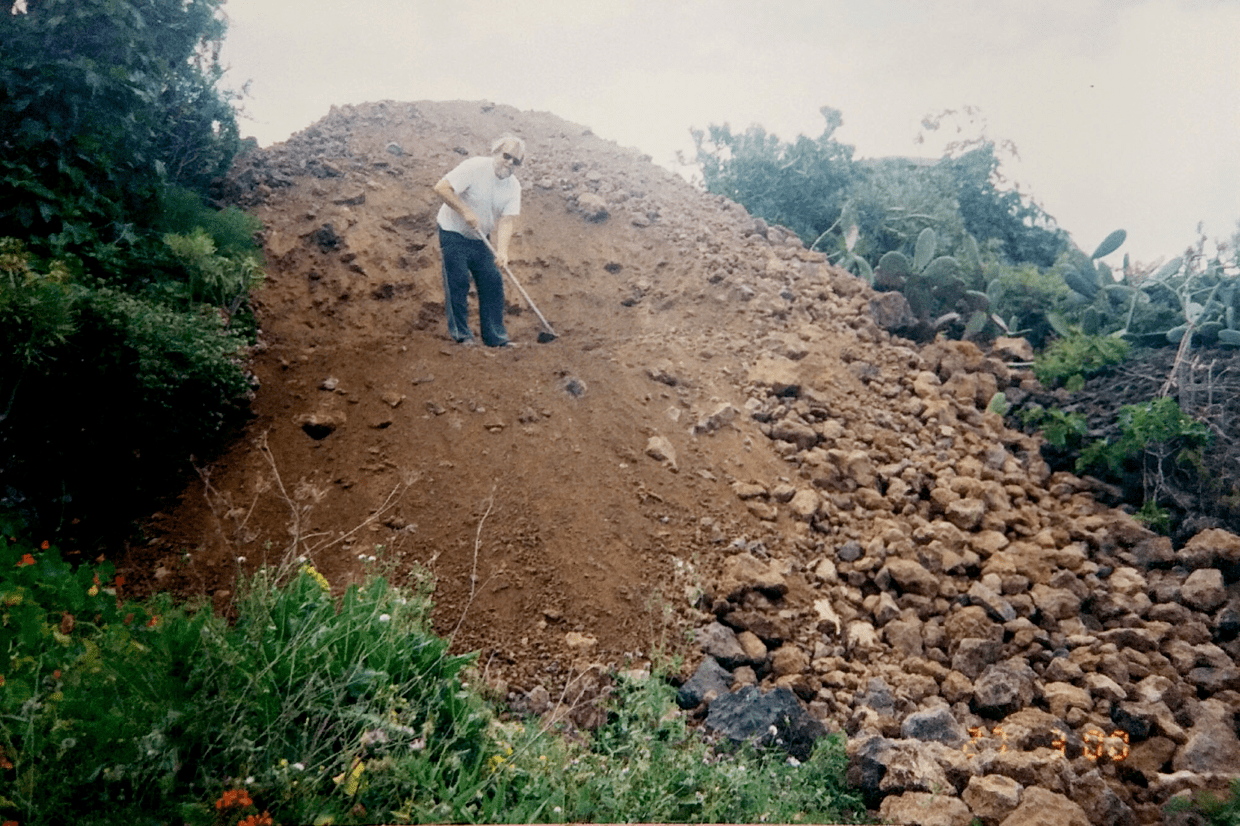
{"points": [[491, 198]]}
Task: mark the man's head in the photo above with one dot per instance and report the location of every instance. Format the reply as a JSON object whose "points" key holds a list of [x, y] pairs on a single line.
{"points": [[509, 153]]}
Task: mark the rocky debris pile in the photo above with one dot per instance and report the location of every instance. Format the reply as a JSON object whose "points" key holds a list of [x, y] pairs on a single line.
{"points": [[992, 640], [865, 543]]}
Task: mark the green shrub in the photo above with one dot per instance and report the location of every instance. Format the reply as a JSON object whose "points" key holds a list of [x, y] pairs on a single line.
{"points": [[1023, 295], [1158, 429], [1060, 428], [1070, 360], [37, 309], [1157, 439], [182, 212], [213, 279]]}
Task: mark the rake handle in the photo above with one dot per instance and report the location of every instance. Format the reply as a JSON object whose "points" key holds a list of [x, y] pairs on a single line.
{"points": [[520, 289]]}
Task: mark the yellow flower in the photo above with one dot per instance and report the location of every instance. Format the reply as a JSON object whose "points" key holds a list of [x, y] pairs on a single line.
{"points": [[309, 571], [351, 779]]}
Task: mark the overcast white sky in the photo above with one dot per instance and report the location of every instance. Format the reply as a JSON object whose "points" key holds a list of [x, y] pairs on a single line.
{"points": [[1125, 114]]}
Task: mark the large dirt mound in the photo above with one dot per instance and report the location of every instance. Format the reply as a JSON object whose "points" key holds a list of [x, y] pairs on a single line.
{"points": [[722, 441]]}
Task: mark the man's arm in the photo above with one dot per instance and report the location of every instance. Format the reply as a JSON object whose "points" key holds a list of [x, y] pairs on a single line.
{"points": [[503, 236], [444, 190]]}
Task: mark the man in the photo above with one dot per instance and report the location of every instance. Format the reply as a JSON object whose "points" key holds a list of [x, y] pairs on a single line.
{"points": [[481, 197]]}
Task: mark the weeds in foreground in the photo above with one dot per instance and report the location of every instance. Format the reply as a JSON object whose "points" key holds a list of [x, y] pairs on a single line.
{"points": [[1216, 810], [314, 709]]}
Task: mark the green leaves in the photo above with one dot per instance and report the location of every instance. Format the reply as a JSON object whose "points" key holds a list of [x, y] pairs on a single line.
{"points": [[103, 104], [1110, 244], [799, 185], [924, 250], [1072, 359], [38, 310]]}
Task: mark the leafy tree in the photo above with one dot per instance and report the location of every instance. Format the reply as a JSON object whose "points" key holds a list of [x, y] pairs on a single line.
{"points": [[800, 185], [123, 297], [1027, 234], [896, 198], [101, 101]]}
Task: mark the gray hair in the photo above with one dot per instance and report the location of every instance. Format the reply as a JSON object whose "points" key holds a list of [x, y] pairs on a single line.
{"points": [[508, 143]]}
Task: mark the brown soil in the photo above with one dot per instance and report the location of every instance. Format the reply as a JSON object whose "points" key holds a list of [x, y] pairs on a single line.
{"points": [[518, 478]]}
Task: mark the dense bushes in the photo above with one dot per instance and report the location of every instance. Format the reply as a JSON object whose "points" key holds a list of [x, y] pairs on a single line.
{"points": [[815, 188], [123, 295]]}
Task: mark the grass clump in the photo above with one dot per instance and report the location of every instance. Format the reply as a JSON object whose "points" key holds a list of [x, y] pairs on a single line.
{"points": [[310, 707]]}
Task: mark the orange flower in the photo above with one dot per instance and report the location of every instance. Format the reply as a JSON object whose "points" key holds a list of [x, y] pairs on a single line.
{"points": [[239, 798], [26, 559], [45, 545], [128, 618], [56, 674], [11, 823], [153, 621], [120, 580], [257, 820]]}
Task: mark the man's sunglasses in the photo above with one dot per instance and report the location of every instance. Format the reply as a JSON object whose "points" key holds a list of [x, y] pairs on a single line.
{"points": [[513, 159]]}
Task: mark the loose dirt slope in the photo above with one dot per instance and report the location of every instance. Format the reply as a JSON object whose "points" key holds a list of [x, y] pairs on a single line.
{"points": [[522, 471], [722, 451]]}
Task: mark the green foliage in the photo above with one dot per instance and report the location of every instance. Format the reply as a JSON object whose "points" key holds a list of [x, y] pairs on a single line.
{"points": [[37, 309], [1060, 428], [1154, 517], [1214, 809], [871, 217], [314, 708], [1024, 295], [1157, 428], [1026, 234], [941, 291], [799, 185], [232, 231], [103, 99], [1156, 440], [1072, 359], [213, 279], [891, 201], [645, 764], [1193, 295], [176, 361], [113, 126]]}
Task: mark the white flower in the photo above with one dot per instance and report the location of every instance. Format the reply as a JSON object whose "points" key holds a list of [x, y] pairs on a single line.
{"points": [[301, 767], [385, 618], [249, 780], [240, 560]]}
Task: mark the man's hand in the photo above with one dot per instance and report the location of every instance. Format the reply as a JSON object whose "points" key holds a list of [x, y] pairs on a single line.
{"points": [[445, 191]]}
